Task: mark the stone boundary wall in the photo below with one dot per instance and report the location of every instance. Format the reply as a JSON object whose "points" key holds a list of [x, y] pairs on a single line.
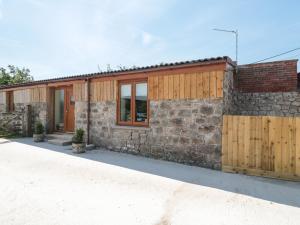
{"points": [[266, 104], [24, 117], [17, 121]]}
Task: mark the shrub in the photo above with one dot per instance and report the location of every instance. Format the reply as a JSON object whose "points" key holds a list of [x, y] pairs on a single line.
{"points": [[78, 136], [39, 128]]}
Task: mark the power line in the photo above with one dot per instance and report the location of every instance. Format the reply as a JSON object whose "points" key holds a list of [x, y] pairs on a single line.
{"points": [[295, 49]]}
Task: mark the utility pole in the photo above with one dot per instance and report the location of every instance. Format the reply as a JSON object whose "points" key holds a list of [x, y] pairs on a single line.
{"points": [[236, 33]]}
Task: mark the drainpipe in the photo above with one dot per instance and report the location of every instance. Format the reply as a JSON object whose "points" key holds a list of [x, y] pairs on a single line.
{"points": [[88, 110]]}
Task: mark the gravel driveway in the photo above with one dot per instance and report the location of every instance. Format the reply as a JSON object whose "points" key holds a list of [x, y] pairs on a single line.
{"points": [[41, 184]]}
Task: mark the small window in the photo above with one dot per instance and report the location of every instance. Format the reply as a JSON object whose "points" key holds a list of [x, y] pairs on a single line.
{"points": [[133, 103], [10, 101]]}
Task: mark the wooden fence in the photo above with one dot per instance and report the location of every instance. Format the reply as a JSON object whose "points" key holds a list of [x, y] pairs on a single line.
{"points": [[262, 145]]}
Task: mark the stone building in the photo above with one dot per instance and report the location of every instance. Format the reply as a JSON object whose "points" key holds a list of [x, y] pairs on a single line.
{"points": [[169, 111]]}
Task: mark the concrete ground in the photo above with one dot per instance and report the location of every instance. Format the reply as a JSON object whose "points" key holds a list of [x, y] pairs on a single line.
{"points": [[42, 184]]}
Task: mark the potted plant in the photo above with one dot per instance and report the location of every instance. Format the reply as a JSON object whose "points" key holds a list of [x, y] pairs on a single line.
{"points": [[38, 135], [78, 144]]}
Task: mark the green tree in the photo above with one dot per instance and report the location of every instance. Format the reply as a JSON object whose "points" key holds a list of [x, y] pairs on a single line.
{"points": [[14, 75]]}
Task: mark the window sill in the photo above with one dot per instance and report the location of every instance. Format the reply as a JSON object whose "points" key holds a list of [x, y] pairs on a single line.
{"points": [[124, 127]]}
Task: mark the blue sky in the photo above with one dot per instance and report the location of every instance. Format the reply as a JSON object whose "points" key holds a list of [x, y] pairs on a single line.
{"points": [[66, 37]]}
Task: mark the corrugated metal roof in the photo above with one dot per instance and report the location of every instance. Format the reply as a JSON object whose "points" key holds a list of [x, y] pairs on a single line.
{"points": [[116, 72]]}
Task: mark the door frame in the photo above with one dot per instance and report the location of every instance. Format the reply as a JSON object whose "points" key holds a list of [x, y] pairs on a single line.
{"points": [[64, 87]]}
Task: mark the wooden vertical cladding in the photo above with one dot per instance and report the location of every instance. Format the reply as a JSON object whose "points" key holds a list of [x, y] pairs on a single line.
{"points": [[38, 94], [101, 91], [22, 96], [262, 145], [79, 90], [202, 85]]}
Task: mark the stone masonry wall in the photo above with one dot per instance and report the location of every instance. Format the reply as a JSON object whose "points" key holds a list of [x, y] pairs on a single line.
{"points": [[18, 120], [12, 122], [185, 131], [40, 113], [3, 108], [228, 89], [267, 104]]}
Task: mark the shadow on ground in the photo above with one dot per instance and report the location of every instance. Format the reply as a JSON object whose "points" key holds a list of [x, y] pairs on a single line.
{"points": [[283, 192]]}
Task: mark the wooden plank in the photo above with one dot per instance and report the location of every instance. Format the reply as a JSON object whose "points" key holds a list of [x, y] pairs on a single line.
{"points": [[95, 90], [241, 143], [83, 92], [230, 143], [107, 84], [100, 91], [91, 92], [187, 86], [171, 87], [181, 84], [107, 91], [111, 90], [193, 86], [220, 78], [277, 159], [225, 141], [212, 84], [166, 87], [265, 144], [235, 123], [199, 86], [247, 142], [284, 145], [150, 87], [291, 145], [160, 87], [155, 88], [206, 85], [297, 150], [252, 141], [176, 87], [259, 141], [272, 141], [114, 83]]}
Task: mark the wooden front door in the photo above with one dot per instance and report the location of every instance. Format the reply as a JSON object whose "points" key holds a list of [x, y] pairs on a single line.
{"points": [[69, 109]]}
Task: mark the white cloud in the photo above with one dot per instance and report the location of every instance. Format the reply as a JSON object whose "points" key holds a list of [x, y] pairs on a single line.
{"points": [[147, 38], [80, 36], [73, 37]]}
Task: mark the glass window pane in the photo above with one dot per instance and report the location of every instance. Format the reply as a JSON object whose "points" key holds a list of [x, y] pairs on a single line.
{"points": [[141, 102], [125, 105], [59, 109]]}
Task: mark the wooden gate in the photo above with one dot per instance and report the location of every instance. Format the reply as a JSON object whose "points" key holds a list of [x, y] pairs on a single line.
{"points": [[262, 145]]}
